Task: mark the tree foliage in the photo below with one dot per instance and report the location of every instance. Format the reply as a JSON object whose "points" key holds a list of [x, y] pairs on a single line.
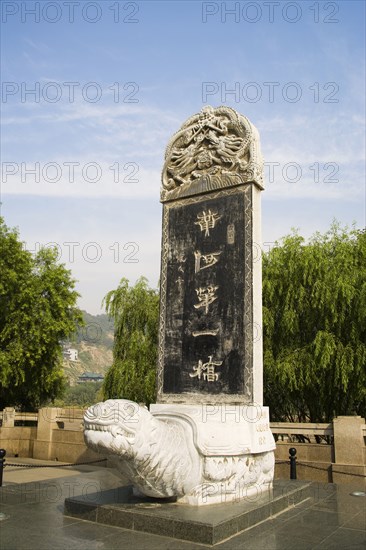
{"points": [[135, 312], [314, 320], [81, 395], [314, 323], [37, 311]]}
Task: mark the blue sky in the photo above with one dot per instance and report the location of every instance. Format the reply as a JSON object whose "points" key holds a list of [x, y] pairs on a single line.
{"points": [[109, 94]]}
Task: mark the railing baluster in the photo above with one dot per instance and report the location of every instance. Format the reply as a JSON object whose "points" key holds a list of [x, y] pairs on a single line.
{"points": [[2, 462], [292, 457]]}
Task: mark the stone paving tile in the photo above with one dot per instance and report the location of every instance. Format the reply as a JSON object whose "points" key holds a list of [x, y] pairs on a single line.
{"points": [[330, 519], [358, 521], [345, 539], [312, 526], [266, 541], [294, 510], [141, 541]]}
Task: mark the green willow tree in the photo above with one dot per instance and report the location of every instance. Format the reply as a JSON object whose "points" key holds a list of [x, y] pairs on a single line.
{"points": [[135, 312], [314, 322], [37, 311]]}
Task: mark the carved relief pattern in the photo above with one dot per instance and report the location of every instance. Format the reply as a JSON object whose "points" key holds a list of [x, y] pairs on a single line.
{"points": [[215, 148], [156, 455], [163, 286], [153, 454], [248, 294]]}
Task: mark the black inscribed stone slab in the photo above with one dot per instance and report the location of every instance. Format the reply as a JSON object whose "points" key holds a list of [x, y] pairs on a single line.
{"points": [[204, 321]]}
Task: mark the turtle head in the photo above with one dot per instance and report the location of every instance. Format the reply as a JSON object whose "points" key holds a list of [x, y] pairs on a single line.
{"points": [[111, 427]]}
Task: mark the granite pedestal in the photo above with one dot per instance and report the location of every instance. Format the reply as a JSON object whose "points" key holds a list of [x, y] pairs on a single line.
{"points": [[207, 525]]}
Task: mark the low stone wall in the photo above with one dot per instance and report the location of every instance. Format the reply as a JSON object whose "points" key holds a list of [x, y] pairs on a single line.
{"points": [[66, 446], [57, 436], [18, 440], [314, 461], [306, 452]]}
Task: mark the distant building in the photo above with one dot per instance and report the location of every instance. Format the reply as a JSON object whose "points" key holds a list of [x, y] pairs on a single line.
{"points": [[90, 377], [70, 354]]}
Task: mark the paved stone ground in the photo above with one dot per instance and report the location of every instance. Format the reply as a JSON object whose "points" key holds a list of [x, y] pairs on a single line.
{"points": [[32, 502]]}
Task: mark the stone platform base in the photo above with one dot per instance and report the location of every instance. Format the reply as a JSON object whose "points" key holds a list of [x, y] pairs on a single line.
{"points": [[207, 525]]}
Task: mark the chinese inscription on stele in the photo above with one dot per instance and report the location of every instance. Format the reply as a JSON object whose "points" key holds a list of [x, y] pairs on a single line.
{"points": [[204, 341]]}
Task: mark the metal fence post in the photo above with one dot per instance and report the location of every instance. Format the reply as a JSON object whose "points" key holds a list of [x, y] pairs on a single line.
{"points": [[292, 457], [2, 463]]}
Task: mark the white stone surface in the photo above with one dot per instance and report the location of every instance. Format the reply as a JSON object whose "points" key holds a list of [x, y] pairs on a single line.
{"points": [[201, 455], [222, 429]]}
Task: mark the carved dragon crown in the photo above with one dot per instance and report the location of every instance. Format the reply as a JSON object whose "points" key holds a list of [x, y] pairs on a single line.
{"points": [[213, 149]]}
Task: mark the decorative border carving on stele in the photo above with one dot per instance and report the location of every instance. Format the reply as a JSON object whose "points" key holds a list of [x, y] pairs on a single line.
{"points": [[214, 149]]}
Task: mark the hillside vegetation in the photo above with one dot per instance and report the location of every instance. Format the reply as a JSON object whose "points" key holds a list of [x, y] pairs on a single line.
{"points": [[94, 343]]}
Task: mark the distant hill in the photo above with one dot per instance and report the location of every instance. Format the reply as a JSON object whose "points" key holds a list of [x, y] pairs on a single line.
{"points": [[98, 329], [94, 343]]}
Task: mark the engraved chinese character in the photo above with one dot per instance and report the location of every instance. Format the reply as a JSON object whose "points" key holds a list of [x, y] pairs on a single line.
{"points": [[206, 296], [230, 234], [207, 259], [182, 260], [207, 220], [180, 283], [206, 332], [207, 370]]}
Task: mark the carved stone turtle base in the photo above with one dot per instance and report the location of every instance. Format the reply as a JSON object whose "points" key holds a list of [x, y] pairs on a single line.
{"points": [[235, 448], [202, 454]]}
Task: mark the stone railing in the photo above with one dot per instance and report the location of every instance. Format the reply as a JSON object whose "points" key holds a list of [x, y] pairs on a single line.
{"points": [[333, 452], [290, 431], [57, 435]]}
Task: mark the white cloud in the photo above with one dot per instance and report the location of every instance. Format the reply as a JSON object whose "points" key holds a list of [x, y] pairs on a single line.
{"points": [[126, 142], [88, 179]]}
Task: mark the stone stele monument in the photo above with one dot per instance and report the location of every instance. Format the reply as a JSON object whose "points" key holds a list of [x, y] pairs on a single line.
{"points": [[207, 439]]}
